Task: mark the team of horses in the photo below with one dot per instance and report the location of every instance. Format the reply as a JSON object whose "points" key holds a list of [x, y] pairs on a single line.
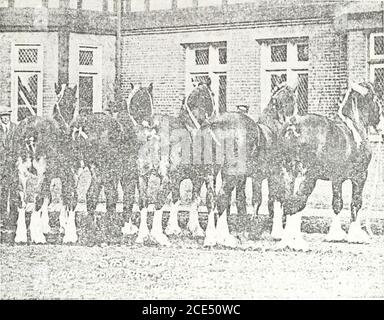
{"points": [[291, 149]]}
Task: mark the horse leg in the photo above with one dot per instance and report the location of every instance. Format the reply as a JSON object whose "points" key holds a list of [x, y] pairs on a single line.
{"points": [[143, 234], [110, 221], [41, 200], [157, 233], [21, 228], [303, 185], [128, 183], [221, 234], [336, 233], [275, 210], [173, 227], [355, 232], [93, 193], [193, 222], [243, 219], [70, 199]]}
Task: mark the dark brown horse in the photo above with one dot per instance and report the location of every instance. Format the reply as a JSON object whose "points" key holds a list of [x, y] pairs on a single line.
{"points": [[109, 148], [315, 147], [168, 156], [42, 145]]}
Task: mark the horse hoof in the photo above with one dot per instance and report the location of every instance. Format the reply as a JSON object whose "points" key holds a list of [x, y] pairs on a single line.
{"points": [[141, 239], [129, 229], [209, 242], [197, 232], [277, 234], [336, 236], [173, 230], [229, 241], [251, 211], [161, 239], [297, 244], [357, 235]]}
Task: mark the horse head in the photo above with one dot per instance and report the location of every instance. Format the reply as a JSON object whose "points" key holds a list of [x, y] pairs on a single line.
{"points": [[64, 108], [197, 106], [140, 105], [362, 105], [283, 103]]}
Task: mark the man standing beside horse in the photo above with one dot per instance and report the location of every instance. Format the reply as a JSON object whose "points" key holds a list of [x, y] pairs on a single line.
{"points": [[8, 185]]}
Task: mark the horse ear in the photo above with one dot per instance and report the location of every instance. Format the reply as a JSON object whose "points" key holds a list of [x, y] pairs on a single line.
{"points": [[57, 89], [132, 85], [209, 82], [150, 87]]}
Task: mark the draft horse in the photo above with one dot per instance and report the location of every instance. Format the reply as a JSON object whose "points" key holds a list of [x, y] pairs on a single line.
{"points": [[168, 156], [315, 147], [109, 148], [42, 146]]}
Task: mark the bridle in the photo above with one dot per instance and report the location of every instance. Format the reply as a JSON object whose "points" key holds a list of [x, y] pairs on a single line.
{"points": [[129, 100]]}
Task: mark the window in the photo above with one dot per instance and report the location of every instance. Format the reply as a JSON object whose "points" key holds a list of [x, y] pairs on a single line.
{"points": [[160, 5], [27, 80], [376, 62], [90, 81], [184, 3], [95, 5], [204, 3], [111, 5], [53, 3], [208, 61], [137, 5], [73, 4], [285, 60], [28, 4]]}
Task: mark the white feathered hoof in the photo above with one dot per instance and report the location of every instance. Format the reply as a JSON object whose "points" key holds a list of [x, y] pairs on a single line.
{"points": [[251, 211], [228, 241], [36, 229], [70, 235], [196, 231], [277, 231], [173, 230], [336, 233], [129, 229], [45, 221], [356, 234], [21, 230], [160, 238], [297, 244]]}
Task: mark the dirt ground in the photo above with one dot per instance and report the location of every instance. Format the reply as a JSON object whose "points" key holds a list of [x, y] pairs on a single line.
{"points": [[187, 270]]}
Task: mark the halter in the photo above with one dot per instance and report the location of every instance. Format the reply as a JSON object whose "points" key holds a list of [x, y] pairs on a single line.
{"points": [[349, 123], [57, 103], [128, 102], [193, 118]]}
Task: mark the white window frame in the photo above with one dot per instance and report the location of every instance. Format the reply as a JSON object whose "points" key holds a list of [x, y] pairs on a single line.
{"points": [[17, 68], [213, 69], [95, 71], [292, 67], [372, 54]]}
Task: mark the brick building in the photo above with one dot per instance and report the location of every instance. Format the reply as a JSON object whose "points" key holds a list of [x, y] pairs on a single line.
{"points": [[244, 46]]}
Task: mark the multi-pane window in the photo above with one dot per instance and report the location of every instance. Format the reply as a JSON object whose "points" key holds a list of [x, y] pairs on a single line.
{"points": [[27, 80], [285, 61], [376, 61], [95, 5], [89, 62], [3, 3], [137, 5], [208, 61], [160, 5]]}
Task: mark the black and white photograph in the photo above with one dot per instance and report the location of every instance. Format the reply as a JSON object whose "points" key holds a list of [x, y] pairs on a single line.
{"points": [[219, 150]]}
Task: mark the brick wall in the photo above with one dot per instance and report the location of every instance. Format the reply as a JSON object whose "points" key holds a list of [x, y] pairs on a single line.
{"points": [[327, 74], [49, 42]]}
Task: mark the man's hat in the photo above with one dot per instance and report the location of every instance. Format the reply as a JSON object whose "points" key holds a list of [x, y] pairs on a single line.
{"points": [[5, 110]]}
